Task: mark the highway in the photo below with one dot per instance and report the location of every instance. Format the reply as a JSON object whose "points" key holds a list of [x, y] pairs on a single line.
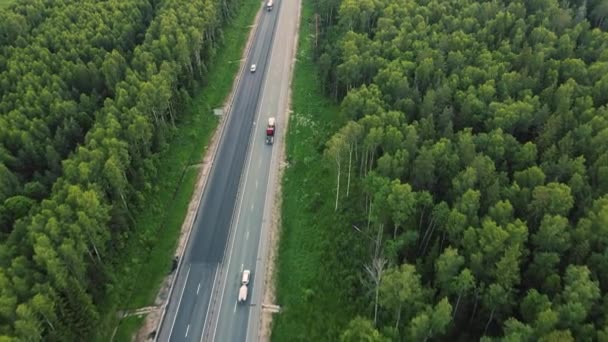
{"points": [[229, 230]]}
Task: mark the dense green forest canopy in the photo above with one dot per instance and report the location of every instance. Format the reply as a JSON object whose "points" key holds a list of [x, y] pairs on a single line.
{"points": [[89, 94], [476, 145], [55, 71]]}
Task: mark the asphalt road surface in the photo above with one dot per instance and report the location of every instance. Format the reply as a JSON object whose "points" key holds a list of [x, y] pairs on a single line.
{"points": [[203, 301], [232, 321]]}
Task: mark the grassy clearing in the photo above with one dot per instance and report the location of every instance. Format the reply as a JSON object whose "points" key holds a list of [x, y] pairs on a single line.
{"points": [[160, 257], [148, 256], [128, 327], [312, 275]]}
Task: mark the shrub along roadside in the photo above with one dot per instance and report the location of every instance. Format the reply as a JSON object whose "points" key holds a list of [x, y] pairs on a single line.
{"points": [[149, 254], [312, 287]]}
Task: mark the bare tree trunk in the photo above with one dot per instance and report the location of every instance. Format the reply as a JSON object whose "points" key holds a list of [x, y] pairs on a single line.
{"points": [[92, 242], [365, 163], [96, 252], [155, 115], [376, 304], [398, 317], [489, 320], [378, 240], [420, 224], [369, 214], [197, 58], [362, 163], [90, 255], [426, 232], [48, 322], [456, 307], [122, 196], [350, 155], [375, 271], [474, 308], [316, 31], [338, 187], [336, 90], [429, 239], [428, 335], [171, 113]]}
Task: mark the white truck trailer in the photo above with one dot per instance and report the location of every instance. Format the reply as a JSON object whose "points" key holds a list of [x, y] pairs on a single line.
{"points": [[244, 286]]}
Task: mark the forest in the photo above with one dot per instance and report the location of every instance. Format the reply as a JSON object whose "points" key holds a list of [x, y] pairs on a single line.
{"points": [[90, 92], [474, 155]]}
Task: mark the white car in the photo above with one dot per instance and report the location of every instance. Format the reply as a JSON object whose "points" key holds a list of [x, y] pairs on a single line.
{"points": [[244, 282], [253, 67]]}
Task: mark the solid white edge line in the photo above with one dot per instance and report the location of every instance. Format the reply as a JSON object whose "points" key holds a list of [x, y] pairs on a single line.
{"points": [[235, 222], [269, 200], [209, 304], [241, 185], [252, 143], [180, 301], [222, 125], [241, 74]]}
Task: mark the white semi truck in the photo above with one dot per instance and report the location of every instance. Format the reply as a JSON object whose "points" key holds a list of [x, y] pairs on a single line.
{"points": [[269, 5], [244, 286]]}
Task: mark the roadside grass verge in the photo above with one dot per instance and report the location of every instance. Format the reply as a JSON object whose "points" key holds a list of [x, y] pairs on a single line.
{"points": [[127, 327], [147, 257], [317, 252]]}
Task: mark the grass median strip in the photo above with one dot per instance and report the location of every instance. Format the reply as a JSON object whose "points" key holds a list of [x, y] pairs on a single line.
{"points": [[148, 255]]}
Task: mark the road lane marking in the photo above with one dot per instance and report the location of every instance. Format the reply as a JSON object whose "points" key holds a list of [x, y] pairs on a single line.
{"points": [[235, 221], [274, 53], [247, 236], [234, 310], [209, 304], [180, 301], [242, 266], [187, 329], [256, 184], [198, 288], [251, 206], [264, 208]]}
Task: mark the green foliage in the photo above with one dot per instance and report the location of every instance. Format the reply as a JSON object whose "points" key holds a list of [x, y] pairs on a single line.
{"points": [[148, 254], [497, 110], [361, 329], [52, 85], [311, 273], [5, 3], [113, 78], [125, 332]]}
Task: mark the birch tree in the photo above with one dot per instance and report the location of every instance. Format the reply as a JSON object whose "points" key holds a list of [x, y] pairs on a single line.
{"points": [[336, 149]]}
